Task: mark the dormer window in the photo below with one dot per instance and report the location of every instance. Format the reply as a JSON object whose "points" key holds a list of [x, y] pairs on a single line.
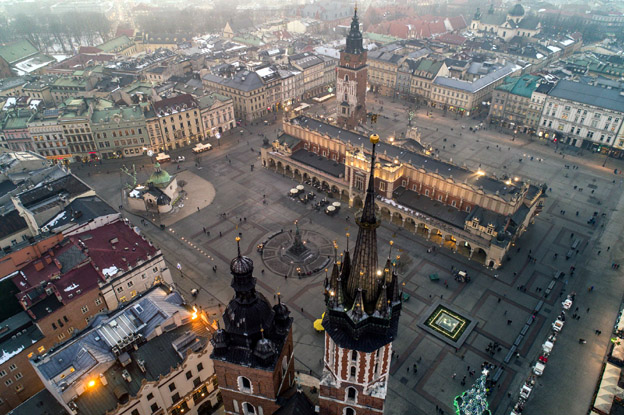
{"points": [[475, 223], [490, 229]]}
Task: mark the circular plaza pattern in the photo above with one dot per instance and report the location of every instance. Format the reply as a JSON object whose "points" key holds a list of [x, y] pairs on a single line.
{"points": [[280, 259]]}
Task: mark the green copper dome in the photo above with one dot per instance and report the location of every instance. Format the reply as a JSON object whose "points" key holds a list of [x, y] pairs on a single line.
{"points": [[160, 178]]}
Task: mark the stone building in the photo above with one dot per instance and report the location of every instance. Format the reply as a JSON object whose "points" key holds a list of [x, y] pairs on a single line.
{"points": [[351, 79], [120, 132], [584, 115], [428, 196], [152, 357]]}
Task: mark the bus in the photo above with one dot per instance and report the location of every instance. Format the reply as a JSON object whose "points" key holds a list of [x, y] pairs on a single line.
{"points": [[200, 148]]}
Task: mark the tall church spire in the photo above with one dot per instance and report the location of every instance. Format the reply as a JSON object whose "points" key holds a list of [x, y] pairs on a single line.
{"points": [[364, 264]]}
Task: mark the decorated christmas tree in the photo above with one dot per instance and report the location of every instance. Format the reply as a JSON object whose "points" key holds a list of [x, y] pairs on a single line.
{"points": [[474, 401]]}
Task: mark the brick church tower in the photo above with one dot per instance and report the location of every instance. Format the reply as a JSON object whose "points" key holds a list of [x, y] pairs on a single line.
{"points": [[253, 352], [361, 321], [351, 78]]}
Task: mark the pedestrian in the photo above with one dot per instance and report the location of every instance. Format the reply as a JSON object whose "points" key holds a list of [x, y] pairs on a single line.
{"points": [[588, 309], [204, 228], [198, 208], [454, 376], [509, 322], [499, 299], [220, 234], [505, 313]]}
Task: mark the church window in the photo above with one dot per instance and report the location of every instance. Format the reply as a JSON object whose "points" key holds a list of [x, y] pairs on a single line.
{"points": [[346, 78], [353, 355], [351, 394], [248, 409], [349, 411], [353, 371], [244, 385]]}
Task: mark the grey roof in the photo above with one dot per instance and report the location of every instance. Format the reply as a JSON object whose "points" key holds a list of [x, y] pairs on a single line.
{"points": [[159, 356], [430, 207], [81, 210], [480, 83], [20, 333], [318, 162], [288, 140], [68, 185], [243, 80], [385, 56], [305, 60], [11, 223], [390, 152], [41, 403], [92, 349], [589, 94]]}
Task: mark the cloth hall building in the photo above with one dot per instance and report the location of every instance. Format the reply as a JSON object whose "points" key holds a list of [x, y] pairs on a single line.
{"points": [[466, 211]]}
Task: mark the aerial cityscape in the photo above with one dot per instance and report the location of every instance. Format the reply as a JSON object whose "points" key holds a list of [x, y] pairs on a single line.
{"points": [[311, 207]]}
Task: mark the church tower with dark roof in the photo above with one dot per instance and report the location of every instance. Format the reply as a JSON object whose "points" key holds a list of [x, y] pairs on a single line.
{"points": [[363, 305], [253, 350], [351, 79]]}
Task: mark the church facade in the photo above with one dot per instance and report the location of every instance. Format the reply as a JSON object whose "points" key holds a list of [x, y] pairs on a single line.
{"points": [[515, 23]]}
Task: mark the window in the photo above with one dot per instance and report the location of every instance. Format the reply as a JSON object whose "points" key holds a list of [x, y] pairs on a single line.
{"points": [[172, 387], [8, 382], [12, 367], [351, 394], [248, 409], [426, 192], [135, 412], [189, 375], [175, 397], [54, 326], [353, 371], [130, 284], [3, 373], [154, 407], [84, 309], [98, 301], [244, 385], [61, 336], [353, 355], [150, 396], [200, 367], [196, 382], [349, 411], [120, 289]]}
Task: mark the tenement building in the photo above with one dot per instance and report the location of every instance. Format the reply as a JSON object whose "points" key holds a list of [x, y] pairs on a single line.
{"points": [[152, 357], [467, 211], [584, 115]]}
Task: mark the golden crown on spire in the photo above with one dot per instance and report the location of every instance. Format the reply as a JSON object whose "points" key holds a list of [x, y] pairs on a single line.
{"points": [[374, 138]]}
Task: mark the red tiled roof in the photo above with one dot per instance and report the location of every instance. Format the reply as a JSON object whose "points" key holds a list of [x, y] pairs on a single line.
{"points": [[171, 103], [77, 282], [127, 251], [451, 39], [458, 22], [89, 49]]}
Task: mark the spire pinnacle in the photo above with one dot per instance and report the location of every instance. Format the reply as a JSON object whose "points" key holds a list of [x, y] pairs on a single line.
{"points": [[238, 245]]}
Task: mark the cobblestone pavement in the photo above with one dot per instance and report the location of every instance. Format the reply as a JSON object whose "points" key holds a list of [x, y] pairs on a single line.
{"points": [[572, 369]]}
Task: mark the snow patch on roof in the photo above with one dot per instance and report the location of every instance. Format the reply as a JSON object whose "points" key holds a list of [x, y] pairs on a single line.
{"points": [[7, 355]]}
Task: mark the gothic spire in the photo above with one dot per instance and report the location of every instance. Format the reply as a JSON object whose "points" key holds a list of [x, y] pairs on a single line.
{"points": [[382, 302], [354, 38], [363, 273]]}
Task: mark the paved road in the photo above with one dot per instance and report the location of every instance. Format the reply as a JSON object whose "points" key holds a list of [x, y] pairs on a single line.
{"points": [[239, 193]]}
